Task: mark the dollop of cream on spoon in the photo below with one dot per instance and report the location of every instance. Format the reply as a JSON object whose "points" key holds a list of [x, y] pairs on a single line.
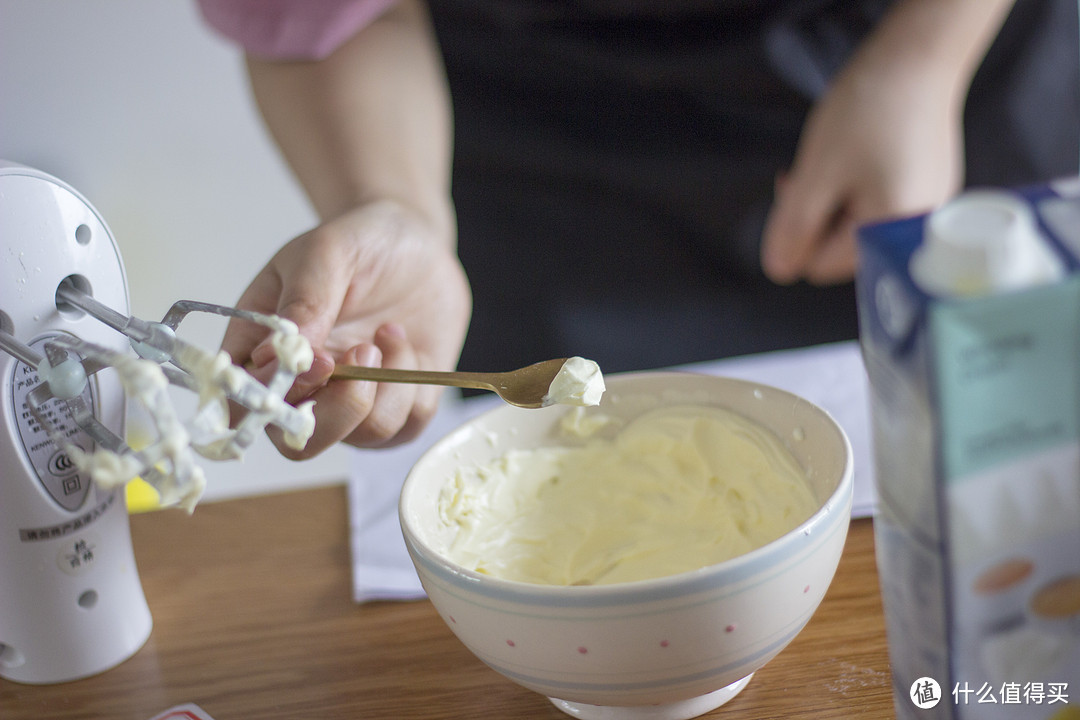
{"points": [[578, 382]]}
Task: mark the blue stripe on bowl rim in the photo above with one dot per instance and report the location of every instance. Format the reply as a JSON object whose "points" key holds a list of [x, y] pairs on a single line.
{"points": [[726, 578]]}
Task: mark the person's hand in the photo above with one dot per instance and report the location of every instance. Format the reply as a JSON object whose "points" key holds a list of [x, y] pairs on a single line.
{"points": [[882, 142], [372, 287]]}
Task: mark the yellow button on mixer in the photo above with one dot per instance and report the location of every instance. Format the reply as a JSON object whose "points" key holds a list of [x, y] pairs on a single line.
{"points": [[141, 496]]}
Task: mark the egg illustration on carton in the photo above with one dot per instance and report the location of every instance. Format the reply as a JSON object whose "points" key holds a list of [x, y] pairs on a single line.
{"points": [[1021, 596]]}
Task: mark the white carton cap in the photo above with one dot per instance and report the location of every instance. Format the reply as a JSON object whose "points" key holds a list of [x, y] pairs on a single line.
{"points": [[982, 242]]}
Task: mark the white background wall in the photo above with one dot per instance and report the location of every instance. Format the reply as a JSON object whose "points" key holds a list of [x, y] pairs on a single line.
{"points": [[142, 109]]}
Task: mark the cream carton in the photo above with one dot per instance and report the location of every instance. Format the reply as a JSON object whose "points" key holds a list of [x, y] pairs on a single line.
{"points": [[970, 331]]}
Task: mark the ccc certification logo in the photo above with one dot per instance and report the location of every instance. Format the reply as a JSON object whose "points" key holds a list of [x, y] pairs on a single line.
{"points": [[61, 464]]}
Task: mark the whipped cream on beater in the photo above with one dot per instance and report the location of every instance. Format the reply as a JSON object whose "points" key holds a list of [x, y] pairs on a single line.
{"points": [[167, 463], [292, 349], [579, 382]]}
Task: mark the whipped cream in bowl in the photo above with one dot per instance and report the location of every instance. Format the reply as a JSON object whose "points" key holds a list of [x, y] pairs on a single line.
{"points": [[675, 489], [640, 558]]}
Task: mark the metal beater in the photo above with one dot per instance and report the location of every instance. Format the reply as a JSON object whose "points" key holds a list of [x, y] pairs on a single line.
{"points": [[71, 604]]}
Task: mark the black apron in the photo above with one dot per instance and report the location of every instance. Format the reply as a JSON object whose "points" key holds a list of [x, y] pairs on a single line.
{"points": [[614, 162]]}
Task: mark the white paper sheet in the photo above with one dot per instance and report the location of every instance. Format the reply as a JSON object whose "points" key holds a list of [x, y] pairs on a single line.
{"points": [[831, 376]]}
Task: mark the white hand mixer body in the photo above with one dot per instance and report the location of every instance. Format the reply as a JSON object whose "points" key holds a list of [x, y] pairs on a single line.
{"points": [[71, 604]]}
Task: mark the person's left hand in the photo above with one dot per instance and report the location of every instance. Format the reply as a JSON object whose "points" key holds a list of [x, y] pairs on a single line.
{"points": [[885, 140]]}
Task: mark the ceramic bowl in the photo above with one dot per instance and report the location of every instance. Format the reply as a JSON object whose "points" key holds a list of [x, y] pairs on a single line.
{"points": [[667, 648]]}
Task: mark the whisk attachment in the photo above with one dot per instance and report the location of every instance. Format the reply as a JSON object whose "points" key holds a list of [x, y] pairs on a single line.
{"points": [[162, 359]]}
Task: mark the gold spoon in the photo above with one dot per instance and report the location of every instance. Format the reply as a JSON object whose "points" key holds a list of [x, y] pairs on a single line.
{"points": [[526, 387]]}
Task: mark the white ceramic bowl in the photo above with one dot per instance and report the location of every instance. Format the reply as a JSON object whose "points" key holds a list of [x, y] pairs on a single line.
{"points": [[665, 648]]}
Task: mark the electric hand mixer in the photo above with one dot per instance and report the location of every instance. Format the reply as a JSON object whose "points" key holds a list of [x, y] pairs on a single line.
{"points": [[71, 604]]}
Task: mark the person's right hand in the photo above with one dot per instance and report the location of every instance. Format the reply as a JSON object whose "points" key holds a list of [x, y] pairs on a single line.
{"points": [[375, 286], [886, 139]]}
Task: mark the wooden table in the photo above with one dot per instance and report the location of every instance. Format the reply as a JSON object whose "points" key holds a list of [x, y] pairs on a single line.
{"points": [[253, 620]]}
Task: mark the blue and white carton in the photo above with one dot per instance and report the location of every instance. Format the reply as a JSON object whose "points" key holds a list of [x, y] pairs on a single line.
{"points": [[970, 332]]}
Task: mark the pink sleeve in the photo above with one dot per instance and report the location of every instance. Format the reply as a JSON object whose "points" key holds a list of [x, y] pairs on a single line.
{"points": [[290, 29]]}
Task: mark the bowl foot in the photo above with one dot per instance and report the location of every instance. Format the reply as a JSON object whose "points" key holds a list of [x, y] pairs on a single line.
{"points": [[681, 710]]}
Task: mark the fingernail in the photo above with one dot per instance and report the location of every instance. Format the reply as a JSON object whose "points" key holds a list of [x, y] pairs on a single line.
{"points": [[321, 366], [263, 354], [316, 376], [300, 390], [366, 356], [394, 329], [776, 267]]}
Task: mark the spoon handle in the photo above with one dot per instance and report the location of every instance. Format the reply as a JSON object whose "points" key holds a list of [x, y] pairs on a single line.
{"points": [[479, 381]]}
